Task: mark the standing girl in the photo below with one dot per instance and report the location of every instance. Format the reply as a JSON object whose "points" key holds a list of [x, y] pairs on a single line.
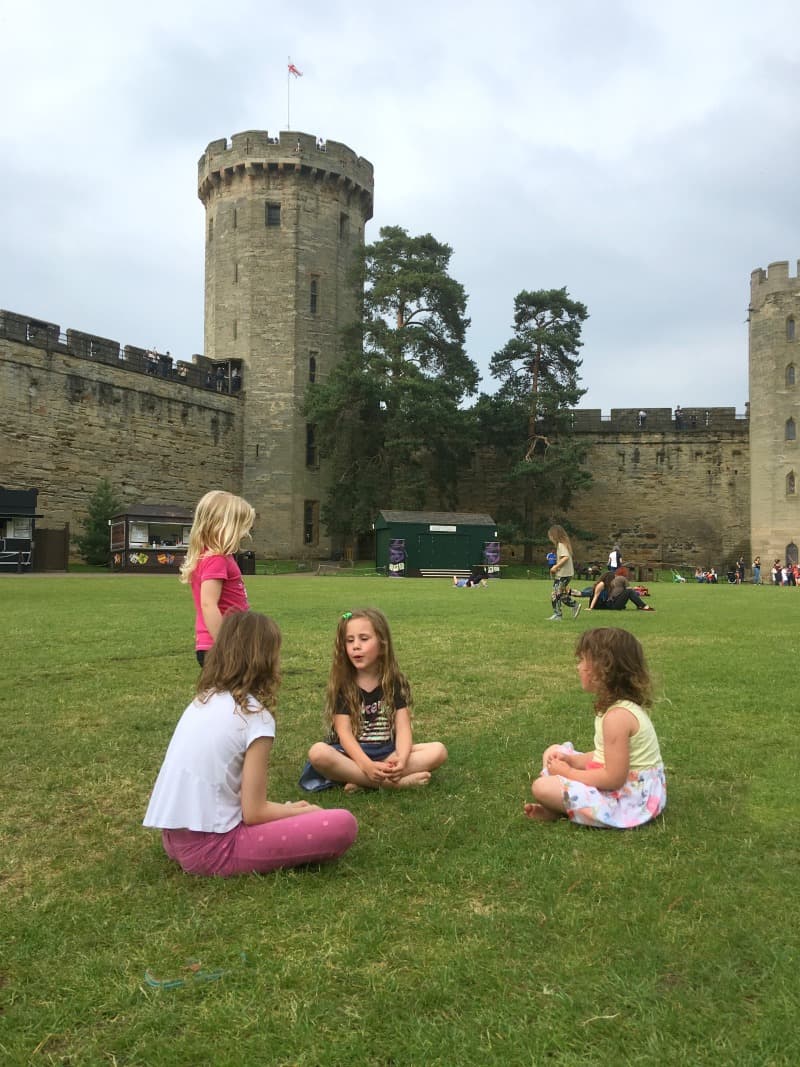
{"points": [[221, 521], [621, 783], [562, 571], [367, 706], [210, 797]]}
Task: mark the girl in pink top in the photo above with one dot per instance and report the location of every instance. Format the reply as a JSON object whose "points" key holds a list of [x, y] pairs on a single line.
{"points": [[221, 522]]}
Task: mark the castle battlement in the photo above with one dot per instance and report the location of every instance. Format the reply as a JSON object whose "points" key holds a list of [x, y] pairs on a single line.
{"points": [[658, 421], [201, 373], [253, 152], [775, 279]]}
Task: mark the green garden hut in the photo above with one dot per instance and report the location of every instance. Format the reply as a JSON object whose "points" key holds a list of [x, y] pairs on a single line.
{"points": [[435, 544]]}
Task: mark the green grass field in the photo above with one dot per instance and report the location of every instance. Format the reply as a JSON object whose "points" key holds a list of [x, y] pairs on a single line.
{"points": [[455, 932]]}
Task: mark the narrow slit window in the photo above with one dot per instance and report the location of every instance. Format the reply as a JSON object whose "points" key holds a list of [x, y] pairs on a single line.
{"points": [[314, 296], [790, 374], [790, 328], [273, 214], [790, 433]]}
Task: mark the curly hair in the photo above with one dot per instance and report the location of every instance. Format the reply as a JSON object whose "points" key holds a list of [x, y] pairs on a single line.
{"points": [[618, 665], [244, 661], [342, 687], [221, 521], [558, 535]]}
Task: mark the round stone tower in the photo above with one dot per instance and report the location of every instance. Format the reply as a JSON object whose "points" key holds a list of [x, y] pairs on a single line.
{"points": [[285, 219], [774, 413]]}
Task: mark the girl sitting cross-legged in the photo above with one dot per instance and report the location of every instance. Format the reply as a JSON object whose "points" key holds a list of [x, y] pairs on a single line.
{"points": [[210, 797], [370, 743], [621, 783]]}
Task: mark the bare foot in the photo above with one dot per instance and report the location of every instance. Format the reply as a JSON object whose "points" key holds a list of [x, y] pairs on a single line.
{"points": [[351, 787], [540, 813], [410, 780]]}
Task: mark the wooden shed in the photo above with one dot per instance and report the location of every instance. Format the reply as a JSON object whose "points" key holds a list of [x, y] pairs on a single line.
{"points": [[17, 522], [435, 544]]}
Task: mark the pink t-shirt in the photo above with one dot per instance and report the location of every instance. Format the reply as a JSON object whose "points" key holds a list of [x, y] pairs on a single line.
{"points": [[233, 597]]}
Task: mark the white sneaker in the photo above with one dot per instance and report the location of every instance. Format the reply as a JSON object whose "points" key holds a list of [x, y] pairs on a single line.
{"points": [[576, 610], [554, 618]]}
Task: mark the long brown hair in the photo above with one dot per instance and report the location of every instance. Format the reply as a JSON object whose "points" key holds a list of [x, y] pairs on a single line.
{"points": [[342, 687], [618, 666], [558, 535], [244, 661]]}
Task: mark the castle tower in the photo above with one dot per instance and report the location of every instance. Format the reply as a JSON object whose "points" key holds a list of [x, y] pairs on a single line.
{"points": [[774, 413], [285, 220]]}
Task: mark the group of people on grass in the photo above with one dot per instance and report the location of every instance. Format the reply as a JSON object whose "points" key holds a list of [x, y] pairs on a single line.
{"points": [[210, 799]]}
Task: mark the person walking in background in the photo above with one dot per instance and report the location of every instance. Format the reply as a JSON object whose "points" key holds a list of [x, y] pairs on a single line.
{"points": [[210, 797], [614, 559], [621, 783], [370, 743], [221, 522], [740, 570], [757, 571], [562, 571]]}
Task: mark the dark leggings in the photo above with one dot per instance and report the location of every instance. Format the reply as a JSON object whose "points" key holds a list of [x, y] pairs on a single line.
{"points": [[619, 603]]}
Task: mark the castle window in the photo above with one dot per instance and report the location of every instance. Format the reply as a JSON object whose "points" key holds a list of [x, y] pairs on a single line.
{"points": [[313, 296], [235, 328], [273, 214], [790, 431], [790, 376], [211, 229], [236, 274], [790, 484], [791, 552], [312, 366], [790, 328], [235, 219], [311, 522], [311, 445], [344, 226]]}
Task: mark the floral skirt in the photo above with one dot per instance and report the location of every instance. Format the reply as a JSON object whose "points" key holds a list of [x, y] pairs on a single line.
{"points": [[640, 799]]}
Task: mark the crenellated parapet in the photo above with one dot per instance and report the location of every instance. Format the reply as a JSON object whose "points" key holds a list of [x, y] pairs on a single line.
{"points": [[253, 153], [651, 421], [200, 373], [772, 281]]}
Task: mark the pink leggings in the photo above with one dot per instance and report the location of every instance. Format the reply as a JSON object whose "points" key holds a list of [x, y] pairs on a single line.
{"points": [[315, 837]]}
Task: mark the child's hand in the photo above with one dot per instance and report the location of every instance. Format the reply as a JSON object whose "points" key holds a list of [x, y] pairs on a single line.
{"points": [[302, 806], [375, 771], [559, 765], [395, 767]]}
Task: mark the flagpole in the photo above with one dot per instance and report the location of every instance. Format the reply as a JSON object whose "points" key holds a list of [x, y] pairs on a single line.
{"points": [[288, 81]]}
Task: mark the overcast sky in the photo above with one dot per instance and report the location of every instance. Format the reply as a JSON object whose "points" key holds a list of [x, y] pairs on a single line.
{"points": [[642, 154]]}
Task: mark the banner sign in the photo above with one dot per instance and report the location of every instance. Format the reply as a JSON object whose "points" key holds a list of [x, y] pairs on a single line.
{"points": [[491, 557], [397, 557]]}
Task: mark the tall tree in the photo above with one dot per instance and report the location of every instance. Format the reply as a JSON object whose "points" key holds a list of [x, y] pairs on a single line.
{"points": [[387, 418], [539, 371]]}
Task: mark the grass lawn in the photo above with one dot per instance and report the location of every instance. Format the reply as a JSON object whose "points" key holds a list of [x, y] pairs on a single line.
{"points": [[455, 932]]}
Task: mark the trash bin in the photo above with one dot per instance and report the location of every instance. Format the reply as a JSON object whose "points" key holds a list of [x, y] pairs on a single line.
{"points": [[247, 562]]}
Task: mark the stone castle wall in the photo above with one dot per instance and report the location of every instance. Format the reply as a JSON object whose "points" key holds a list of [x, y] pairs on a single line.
{"points": [[669, 497], [71, 418], [76, 414]]}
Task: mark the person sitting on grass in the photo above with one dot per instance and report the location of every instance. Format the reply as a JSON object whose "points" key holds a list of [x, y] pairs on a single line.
{"points": [[367, 705], [210, 797], [612, 593], [621, 783]]}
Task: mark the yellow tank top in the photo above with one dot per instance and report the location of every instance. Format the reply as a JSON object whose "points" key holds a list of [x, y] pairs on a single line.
{"points": [[644, 750]]}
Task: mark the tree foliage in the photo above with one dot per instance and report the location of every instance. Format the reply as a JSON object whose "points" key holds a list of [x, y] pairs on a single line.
{"points": [[93, 543], [529, 419], [387, 417]]}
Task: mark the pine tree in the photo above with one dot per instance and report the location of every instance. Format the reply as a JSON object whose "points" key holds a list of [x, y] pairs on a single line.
{"points": [[93, 543]]}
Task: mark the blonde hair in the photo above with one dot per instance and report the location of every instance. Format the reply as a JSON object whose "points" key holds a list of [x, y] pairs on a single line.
{"points": [[342, 687], [558, 535], [243, 661], [221, 521], [618, 665]]}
